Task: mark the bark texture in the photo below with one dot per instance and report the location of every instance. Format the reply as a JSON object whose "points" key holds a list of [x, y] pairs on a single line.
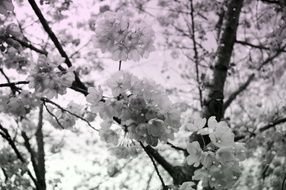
{"points": [[214, 103]]}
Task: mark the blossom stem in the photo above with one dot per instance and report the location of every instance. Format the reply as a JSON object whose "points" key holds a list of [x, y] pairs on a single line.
{"points": [[119, 68]]}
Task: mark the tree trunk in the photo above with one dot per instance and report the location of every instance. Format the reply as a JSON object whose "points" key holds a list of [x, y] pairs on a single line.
{"points": [[41, 152], [214, 102], [213, 105]]}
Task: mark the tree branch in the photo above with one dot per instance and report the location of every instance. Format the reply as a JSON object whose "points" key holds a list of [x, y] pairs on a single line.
{"points": [[271, 58], [5, 175], [214, 103], [264, 128], [69, 112], [24, 44], [245, 43], [32, 155], [176, 173], [155, 166], [178, 148], [5, 134], [50, 32], [196, 54], [12, 84], [251, 77], [272, 124], [53, 115], [13, 88], [77, 84], [274, 2], [240, 89]]}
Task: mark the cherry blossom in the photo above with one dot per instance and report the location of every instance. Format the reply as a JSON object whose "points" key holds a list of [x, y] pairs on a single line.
{"points": [[140, 107], [188, 185], [46, 80], [195, 152], [124, 38]]}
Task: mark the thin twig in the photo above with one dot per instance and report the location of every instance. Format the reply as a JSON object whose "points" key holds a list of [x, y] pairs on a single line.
{"points": [[174, 172], [25, 44], [240, 89], [31, 152], [5, 134], [54, 116], [264, 128], [108, 177], [78, 50], [271, 58], [154, 164], [5, 175], [178, 148], [13, 88], [273, 124], [267, 162], [251, 78], [196, 54], [274, 2], [119, 67], [149, 180], [245, 43], [71, 113], [13, 83]]}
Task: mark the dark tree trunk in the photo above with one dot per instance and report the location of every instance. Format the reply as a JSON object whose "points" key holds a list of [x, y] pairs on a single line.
{"points": [[214, 102], [41, 152]]}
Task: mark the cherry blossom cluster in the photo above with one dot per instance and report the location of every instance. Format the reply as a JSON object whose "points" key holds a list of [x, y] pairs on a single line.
{"points": [[123, 38], [123, 152], [10, 162], [12, 55], [6, 7], [60, 119], [140, 107], [47, 80], [19, 105], [14, 171], [13, 59], [63, 118], [220, 159]]}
